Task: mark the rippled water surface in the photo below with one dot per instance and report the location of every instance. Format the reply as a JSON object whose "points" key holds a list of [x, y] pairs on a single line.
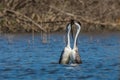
{"points": [[23, 57]]}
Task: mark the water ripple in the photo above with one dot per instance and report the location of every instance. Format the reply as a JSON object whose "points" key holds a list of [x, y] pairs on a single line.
{"points": [[23, 60]]}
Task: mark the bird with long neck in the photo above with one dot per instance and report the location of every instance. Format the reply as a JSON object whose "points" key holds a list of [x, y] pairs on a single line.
{"points": [[68, 54], [74, 56], [65, 55]]}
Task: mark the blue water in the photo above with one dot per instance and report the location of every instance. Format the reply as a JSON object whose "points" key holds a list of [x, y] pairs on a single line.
{"points": [[23, 57]]}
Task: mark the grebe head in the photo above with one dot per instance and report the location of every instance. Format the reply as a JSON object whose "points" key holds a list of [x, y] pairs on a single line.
{"points": [[72, 21], [68, 28]]}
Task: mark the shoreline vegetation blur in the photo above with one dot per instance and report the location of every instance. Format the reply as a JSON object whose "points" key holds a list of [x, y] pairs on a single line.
{"points": [[53, 15]]}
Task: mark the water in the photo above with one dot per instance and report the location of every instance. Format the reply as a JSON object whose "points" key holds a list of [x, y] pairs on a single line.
{"points": [[22, 58]]}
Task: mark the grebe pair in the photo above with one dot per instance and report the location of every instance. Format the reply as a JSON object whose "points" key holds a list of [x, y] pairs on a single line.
{"points": [[71, 55]]}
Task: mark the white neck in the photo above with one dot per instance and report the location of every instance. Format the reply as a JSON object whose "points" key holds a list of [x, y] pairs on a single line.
{"points": [[68, 35], [78, 30]]}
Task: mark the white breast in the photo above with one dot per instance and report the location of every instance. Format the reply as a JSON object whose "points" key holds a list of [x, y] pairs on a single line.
{"points": [[66, 55], [72, 55]]}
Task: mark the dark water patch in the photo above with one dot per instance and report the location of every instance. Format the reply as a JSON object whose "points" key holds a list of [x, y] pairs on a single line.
{"points": [[6, 69], [26, 72]]}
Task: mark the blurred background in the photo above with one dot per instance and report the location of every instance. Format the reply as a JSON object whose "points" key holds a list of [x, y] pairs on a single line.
{"points": [[53, 15]]}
